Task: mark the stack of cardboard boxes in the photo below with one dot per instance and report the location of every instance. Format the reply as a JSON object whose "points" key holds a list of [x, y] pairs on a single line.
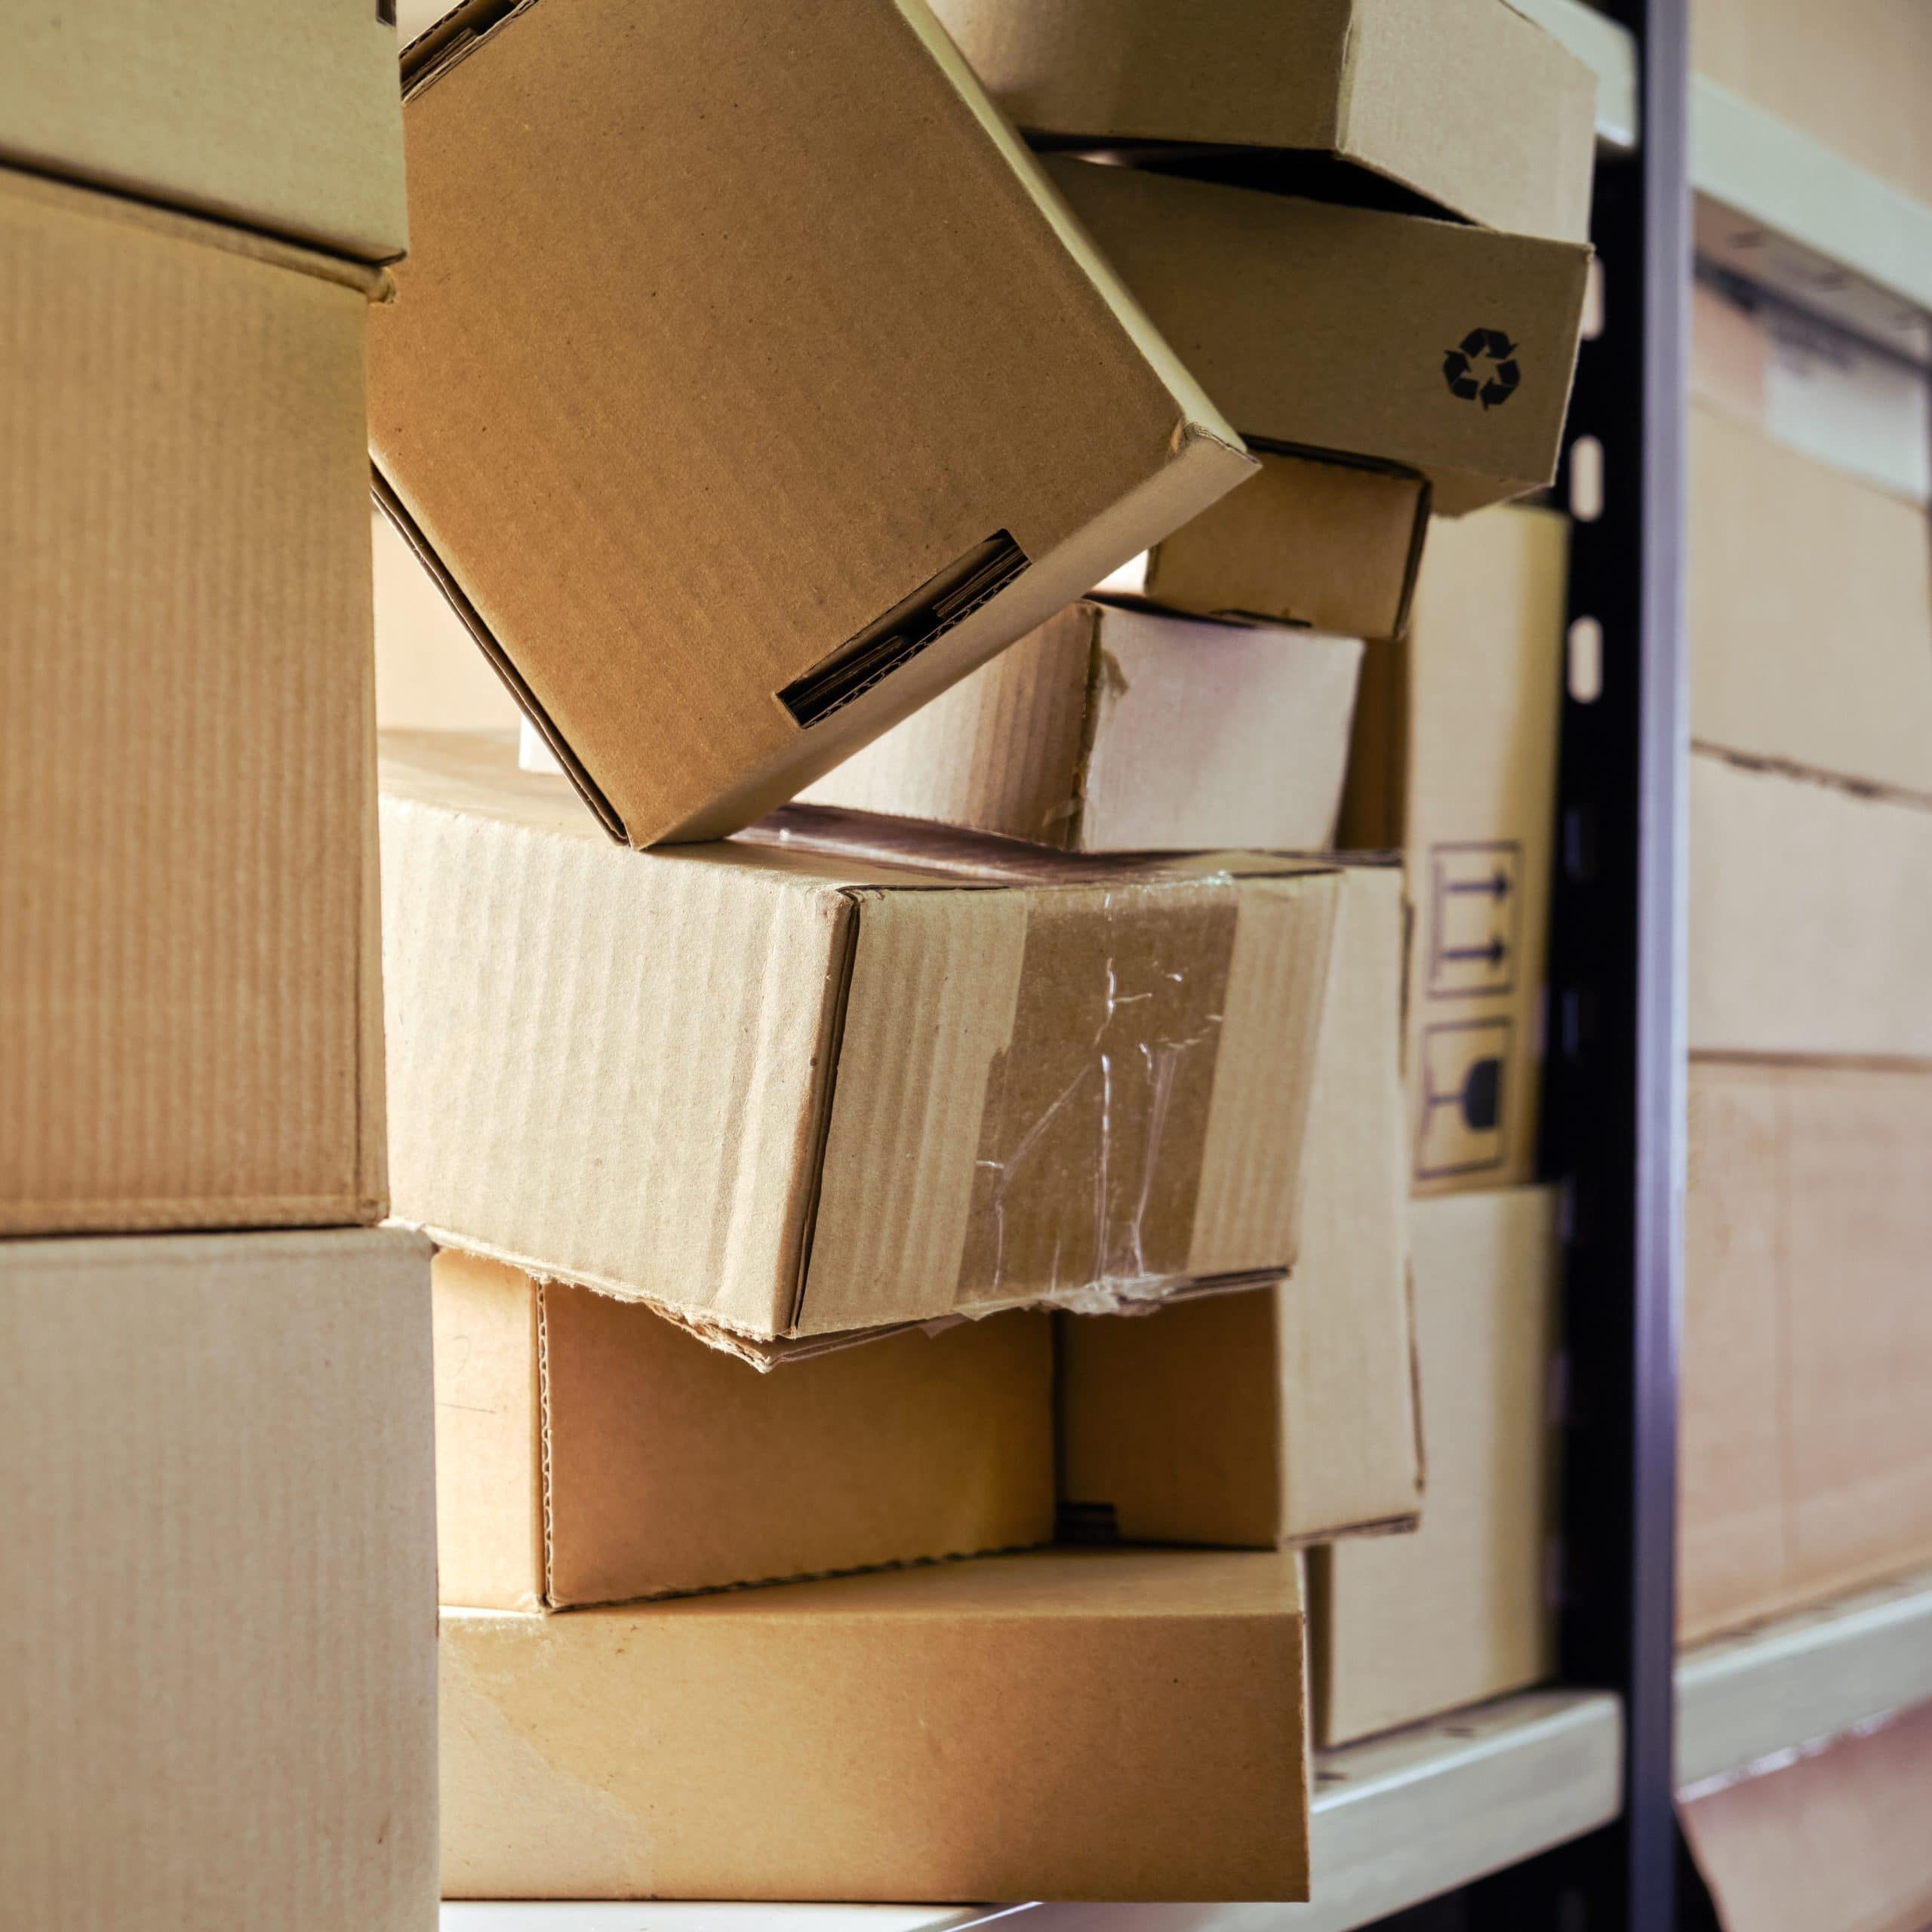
{"points": [[215, 1429]]}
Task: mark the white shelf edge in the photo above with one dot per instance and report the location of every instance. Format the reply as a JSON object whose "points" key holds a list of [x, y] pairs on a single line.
{"points": [[1600, 42]]}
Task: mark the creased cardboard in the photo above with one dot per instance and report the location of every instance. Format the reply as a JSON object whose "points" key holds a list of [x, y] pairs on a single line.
{"points": [[734, 462], [1806, 1461], [1454, 763], [1068, 1724], [1811, 916], [855, 1072], [190, 1003], [1330, 546], [220, 1661], [1440, 349], [1112, 729], [292, 125], [1280, 1415], [590, 1451], [1402, 1628], [1462, 105]]}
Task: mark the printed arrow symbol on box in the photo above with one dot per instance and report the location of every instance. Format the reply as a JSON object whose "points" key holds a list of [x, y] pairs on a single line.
{"points": [[1493, 954], [1496, 887]]}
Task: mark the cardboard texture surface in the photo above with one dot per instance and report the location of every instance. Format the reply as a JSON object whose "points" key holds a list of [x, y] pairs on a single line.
{"points": [[1454, 762], [1806, 1464], [1811, 916], [1069, 1725], [190, 1003], [1110, 729], [858, 1073], [1462, 102], [1330, 546], [1834, 1842], [1785, 553], [293, 126], [221, 1703], [590, 1451], [1405, 1627], [784, 452], [1441, 349], [1282, 1415]]}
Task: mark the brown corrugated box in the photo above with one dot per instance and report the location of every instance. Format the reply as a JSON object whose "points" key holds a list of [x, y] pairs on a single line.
{"points": [[1455, 763], [221, 1688], [292, 125], [1464, 103], [1403, 1627], [1068, 1724], [590, 1451], [1810, 915], [1806, 1463], [856, 1073], [429, 675], [1438, 348], [190, 999], [1330, 546], [734, 451], [1280, 1415], [1117, 730]]}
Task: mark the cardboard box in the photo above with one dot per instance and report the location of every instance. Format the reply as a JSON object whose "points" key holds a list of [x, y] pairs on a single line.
{"points": [[293, 127], [429, 675], [1428, 345], [1405, 1627], [220, 1665], [1462, 106], [1111, 730], [190, 1004], [1454, 763], [723, 511], [1282, 1415], [1810, 613], [1331, 546], [859, 1073], [590, 1451], [1069, 1725], [1806, 1460], [1811, 916]]}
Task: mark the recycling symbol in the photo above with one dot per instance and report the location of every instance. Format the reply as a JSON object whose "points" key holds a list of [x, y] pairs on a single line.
{"points": [[1483, 369]]}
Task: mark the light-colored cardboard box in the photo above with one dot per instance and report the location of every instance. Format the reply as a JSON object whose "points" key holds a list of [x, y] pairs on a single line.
{"points": [[1811, 916], [190, 999], [855, 1073], [730, 478], [1285, 1415], [429, 675], [1402, 1628], [1330, 546], [1454, 764], [1806, 1458], [221, 1664], [1438, 348], [589, 1451], [1069, 1724], [1118, 730], [1462, 103]]}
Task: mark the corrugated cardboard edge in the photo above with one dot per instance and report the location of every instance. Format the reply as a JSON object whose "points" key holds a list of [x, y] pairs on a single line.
{"points": [[1102, 672]]}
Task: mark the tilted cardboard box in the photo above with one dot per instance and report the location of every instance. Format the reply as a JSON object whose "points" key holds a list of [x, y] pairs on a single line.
{"points": [[1806, 1463], [1069, 1724], [190, 999], [1457, 105], [1435, 347], [1115, 730], [590, 1451], [1454, 763], [728, 479], [856, 1073], [1280, 1415], [1402, 1628], [220, 1551]]}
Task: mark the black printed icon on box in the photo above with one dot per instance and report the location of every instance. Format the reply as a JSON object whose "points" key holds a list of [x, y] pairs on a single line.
{"points": [[1464, 1066], [1473, 893], [1483, 368]]}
